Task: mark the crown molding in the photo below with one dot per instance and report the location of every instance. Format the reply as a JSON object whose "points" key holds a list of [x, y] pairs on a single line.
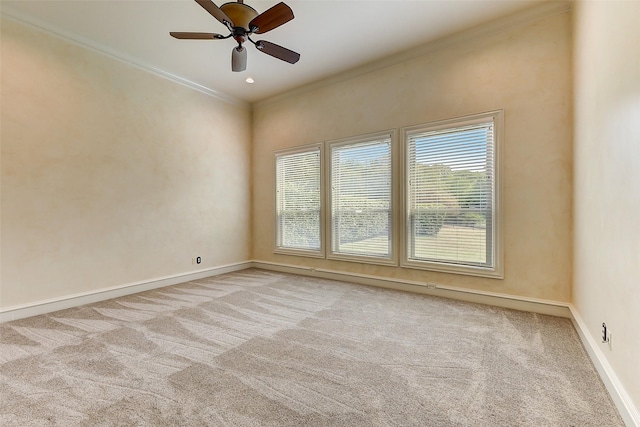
{"points": [[505, 24], [496, 26], [12, 15]]}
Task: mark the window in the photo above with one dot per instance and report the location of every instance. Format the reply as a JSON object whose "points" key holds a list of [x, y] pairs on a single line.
{"points": [[451, 199], [451, 196], [298, 195], [361, 202], [447, 174]]}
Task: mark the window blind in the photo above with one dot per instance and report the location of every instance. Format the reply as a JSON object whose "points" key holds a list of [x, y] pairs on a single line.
{"points": [[298, 200], [361, 198], [450, 195]]}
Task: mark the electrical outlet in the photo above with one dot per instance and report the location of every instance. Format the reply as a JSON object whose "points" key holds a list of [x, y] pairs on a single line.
{"points": [[431, 285], [606, 335]]}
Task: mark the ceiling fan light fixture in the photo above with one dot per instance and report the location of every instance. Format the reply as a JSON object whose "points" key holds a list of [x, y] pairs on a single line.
{"points": [[239, 59]]}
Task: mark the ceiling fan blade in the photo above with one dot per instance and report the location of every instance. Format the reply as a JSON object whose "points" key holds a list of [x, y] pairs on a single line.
{"points": [[271, 18], [196, 36], [278, 51], [215, 11]]}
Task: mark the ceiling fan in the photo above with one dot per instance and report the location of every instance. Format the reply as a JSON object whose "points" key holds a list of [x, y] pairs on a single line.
{"points": [[243, 21]]}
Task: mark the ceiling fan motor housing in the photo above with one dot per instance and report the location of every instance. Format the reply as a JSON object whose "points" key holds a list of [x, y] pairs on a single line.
{"points": [[240, 14]]}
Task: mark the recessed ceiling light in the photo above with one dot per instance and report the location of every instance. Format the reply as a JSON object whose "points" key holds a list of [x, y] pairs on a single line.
{"points": [[249, 80]]}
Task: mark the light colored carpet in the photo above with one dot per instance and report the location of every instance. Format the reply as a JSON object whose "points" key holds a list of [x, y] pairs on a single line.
{"points": [[258, 348]]}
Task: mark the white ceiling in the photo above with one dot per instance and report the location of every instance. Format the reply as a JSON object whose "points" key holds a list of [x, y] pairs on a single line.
{"points": [[331, 36]]}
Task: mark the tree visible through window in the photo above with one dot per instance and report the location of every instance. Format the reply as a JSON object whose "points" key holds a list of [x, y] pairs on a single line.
{"points": [[298, 200], [361, 198], [450, 194]]}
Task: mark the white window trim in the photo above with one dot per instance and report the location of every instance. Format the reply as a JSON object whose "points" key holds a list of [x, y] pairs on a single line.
{"points": [[498, 270], [394, 226], [292, 251]]}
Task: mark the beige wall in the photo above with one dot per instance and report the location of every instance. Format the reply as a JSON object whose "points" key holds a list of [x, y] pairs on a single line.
{"points": [[525, 71], [607, 180], [112, 175]]}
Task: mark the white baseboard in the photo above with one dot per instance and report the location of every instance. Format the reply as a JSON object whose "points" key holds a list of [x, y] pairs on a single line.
{"points": [[48, 306], [553, 308], [621, 399], [490, 298]]}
